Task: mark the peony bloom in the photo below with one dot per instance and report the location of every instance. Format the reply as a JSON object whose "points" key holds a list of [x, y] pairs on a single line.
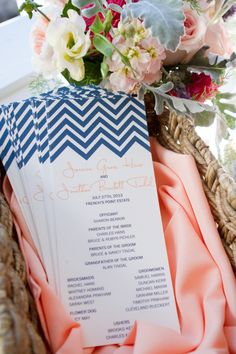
{"points": [[195, 30], [43, 53], [145, 55], [202, 87], [70, 43]]}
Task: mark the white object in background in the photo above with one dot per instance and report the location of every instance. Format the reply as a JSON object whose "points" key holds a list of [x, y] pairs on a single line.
{"points": [[16, 70]]}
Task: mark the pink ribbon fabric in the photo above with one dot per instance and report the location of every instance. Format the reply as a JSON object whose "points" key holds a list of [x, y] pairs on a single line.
{"points": [[203, 281]]}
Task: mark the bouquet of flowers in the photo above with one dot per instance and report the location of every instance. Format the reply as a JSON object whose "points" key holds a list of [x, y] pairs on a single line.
{"points": [[177, 49]]}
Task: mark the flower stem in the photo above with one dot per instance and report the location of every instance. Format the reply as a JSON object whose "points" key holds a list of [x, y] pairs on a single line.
{"points": [[166, 72], [43, 14]]}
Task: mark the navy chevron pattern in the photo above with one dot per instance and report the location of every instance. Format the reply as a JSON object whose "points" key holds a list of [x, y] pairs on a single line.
{"points": [[98, 121], [104, 139], [6, 150], [85, 109], [24, 122], [85, 125], [95, 147], [81, 119], [40, 117]]}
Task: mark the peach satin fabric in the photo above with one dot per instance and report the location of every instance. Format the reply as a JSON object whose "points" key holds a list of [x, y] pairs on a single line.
{"points": [[204, 284]]}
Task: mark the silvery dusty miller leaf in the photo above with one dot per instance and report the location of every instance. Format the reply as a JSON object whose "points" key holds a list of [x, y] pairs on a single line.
{"points": [[181, 105], [165, 18], [94, 7]]}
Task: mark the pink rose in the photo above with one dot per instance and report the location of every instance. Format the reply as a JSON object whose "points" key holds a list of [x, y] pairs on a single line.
{"points": [[195, 30], [218, 40]]}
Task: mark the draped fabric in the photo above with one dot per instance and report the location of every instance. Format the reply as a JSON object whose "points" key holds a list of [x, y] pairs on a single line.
{"points": [[203, 281]]}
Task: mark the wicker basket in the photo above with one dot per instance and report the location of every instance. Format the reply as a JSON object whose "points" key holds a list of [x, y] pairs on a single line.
{"points": [[177, 133], [20, 331]]}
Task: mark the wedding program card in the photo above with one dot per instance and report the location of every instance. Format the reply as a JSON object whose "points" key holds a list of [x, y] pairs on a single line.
{"points": [[113, 264], [80, 165]]}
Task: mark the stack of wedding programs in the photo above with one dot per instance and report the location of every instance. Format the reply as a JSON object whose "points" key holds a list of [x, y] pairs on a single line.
{"points": [[80, 165]]}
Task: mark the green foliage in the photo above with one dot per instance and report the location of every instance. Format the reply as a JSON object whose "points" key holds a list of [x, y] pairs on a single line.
{"points": [[29, 6], [226, 108], [162, 98], [204, 119], [107, 21], [194, 4], [103, 45], [97, 25], [115, 8], [69, 6], [165, 18], [40, 84], [104, 69], [92, 7], [210, 64], [223, 108], [92, 73]]}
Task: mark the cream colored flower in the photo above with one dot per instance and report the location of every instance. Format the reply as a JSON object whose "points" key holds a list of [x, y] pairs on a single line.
{"points": [[43, 54], [132, 32], [70, 43]]}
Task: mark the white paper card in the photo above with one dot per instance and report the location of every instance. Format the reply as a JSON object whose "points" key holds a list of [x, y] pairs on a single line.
{"points": [[81, 159], [112, 258]]}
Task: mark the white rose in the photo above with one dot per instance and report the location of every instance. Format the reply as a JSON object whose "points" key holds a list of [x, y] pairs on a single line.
{"points": [[70, 43]]}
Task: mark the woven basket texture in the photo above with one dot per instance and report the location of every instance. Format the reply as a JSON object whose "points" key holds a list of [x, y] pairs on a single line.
{"points": [[177, 133], [20, 331]]}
